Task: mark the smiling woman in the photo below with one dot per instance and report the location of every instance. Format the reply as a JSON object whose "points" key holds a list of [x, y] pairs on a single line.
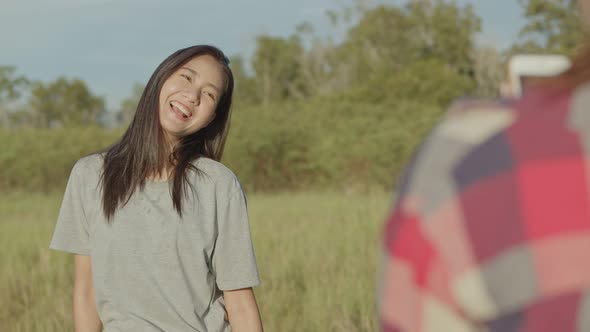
{"points": [[158, 226]]}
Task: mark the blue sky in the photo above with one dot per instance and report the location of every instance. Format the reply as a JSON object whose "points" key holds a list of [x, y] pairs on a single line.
{"points": [[111, 44]]}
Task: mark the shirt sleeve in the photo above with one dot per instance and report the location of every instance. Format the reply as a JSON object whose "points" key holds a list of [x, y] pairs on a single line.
{"points": [[234, 262], [71, 231]]}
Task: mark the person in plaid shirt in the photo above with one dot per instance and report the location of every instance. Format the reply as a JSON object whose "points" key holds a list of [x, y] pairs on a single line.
{"points": [[490, 230]]}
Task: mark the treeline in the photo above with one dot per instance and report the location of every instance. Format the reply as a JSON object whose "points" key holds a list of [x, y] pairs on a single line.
{"points": [[308, 111], [268, 150]]}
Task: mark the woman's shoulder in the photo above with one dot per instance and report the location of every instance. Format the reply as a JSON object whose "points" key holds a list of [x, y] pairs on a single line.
{"points": [[214, 168], [216, 172], [89, 164]]}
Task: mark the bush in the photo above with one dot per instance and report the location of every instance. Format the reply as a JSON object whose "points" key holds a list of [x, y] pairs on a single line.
{"points": [[325, 143], [322, 143], [41, 159]]}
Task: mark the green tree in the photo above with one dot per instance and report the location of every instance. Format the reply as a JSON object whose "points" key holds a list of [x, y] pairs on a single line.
{"points": [[276, 63], [379, 42], [65, 102], [129, 105], [11, 88], [446, 32], [553, 26], [396, 36], [245, 89], [490, 71], [320, 69], [429, 43]]}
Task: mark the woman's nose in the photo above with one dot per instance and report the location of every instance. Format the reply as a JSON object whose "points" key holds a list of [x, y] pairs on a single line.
{"points": [[193, 96]]}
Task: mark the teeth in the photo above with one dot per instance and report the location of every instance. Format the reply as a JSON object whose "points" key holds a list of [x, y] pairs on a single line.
{"points": [[181, 108]]}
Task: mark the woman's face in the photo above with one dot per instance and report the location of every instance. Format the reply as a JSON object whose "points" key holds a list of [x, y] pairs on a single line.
{"points": [[189, 97]]}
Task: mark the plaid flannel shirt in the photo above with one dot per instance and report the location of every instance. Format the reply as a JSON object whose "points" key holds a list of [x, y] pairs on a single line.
{"points": [[490, 230]]}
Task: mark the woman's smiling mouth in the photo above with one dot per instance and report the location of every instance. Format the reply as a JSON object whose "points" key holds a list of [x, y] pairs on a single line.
{"points": [[180, 110]]}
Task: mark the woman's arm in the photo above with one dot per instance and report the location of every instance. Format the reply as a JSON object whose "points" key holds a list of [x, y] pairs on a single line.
{"points": [[242, 310], [85, 314]]}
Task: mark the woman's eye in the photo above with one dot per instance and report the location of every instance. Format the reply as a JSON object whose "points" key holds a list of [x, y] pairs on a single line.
{"points": [[188, 78], [210, 95]]}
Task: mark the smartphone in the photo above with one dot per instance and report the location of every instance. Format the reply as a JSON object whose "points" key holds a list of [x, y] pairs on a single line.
{"points": [[523, 68]]}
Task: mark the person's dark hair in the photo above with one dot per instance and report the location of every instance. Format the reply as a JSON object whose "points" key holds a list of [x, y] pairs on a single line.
{"points": [[579, 72], [142, 151]]}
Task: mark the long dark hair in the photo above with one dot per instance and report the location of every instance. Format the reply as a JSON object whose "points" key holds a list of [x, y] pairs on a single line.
{"points": [[142, 151], [579, 72]]}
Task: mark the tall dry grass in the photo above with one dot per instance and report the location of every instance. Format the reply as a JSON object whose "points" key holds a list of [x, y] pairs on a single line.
{"points": [[316, 254]]}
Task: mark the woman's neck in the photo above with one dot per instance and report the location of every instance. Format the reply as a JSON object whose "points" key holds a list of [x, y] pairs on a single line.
{"points": [[170, 142], [163, 175]]}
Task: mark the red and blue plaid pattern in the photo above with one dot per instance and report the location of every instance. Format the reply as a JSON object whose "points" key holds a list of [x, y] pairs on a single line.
{"points": [[491, 226]]}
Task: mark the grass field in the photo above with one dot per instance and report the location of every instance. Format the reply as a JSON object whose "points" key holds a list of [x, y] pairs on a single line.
{"points": [[316, 253]]}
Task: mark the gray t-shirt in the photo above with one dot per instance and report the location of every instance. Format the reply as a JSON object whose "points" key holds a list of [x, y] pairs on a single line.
{"points": [[153, 270]]}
